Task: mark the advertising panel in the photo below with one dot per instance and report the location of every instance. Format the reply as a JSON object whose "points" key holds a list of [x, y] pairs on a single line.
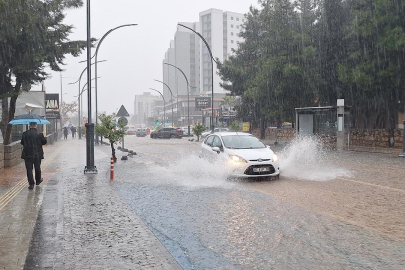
{"points": [[52, 106], [202, 103]]}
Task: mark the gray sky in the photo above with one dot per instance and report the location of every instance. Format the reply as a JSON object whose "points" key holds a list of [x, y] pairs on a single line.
{"points": [[134, 54]]}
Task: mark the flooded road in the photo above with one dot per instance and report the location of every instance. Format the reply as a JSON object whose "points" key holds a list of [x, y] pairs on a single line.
{"points": [[327, 211]]}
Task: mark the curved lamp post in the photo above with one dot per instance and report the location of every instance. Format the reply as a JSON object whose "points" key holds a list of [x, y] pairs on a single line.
{"points": [[164, 104], [212, 73], [188, 95], [170, 99], [78, 81], [95, 67]]}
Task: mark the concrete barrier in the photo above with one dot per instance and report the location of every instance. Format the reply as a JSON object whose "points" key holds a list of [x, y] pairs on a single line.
{"points": [[12, 154]]}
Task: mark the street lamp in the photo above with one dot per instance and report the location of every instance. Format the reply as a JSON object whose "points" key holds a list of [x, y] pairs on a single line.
{"points": [[164, 104], [170, 99], [78, 81], [95, 67], [188, 95], [212, 74]]}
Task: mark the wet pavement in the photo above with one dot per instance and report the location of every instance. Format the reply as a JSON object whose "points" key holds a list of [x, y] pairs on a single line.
{"points": [[72, 220], [169, 209], [329, 210]]}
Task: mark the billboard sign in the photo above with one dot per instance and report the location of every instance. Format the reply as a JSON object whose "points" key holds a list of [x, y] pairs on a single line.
{"points": [[52, 106], [202, 103]]}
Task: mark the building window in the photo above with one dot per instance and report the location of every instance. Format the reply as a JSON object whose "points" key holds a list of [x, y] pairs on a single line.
{"points": [[237, 27], [231, 33], [231, 41], [231, 25], [237, 19], [231, 18]]}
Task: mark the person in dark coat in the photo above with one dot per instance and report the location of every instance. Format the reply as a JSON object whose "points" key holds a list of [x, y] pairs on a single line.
{"points": [[73, 130], [33, 153], [65, 132]]}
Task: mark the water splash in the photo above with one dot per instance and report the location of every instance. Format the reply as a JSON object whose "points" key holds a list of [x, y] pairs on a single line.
{"points": [[193, 172], [307, 159]]}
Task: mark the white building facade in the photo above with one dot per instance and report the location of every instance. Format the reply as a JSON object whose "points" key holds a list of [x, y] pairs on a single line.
{"points": [[143, 107], [221, 31]]}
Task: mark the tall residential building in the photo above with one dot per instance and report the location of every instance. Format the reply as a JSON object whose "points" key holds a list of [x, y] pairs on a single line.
{"points": [[221, 31], [143, 107], [169, 73]]}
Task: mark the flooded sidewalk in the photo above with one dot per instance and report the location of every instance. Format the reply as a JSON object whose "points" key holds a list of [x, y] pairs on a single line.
{"points": [[72, 220]]}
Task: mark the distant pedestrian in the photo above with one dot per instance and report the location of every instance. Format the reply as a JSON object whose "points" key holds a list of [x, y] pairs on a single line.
{"points": [[33, 153], [73, 130], [65, 132]]}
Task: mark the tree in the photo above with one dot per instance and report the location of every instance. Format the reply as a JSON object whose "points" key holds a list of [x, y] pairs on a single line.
{"points": [[32, 35], [374, 73], [108, 130], [198, 129], [68, 108]]}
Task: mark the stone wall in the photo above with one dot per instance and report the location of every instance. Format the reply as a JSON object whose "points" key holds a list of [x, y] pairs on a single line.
{"points": [[12, 154], [375, 137], [284, 134], [1, 158]]}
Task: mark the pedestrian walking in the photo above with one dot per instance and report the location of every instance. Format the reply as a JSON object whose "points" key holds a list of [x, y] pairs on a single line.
{"points": [[33, 153], [65, 132], [73, 130]]}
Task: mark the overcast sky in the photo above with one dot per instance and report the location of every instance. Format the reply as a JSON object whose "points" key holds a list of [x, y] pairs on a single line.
{"points": [[134, 54]]}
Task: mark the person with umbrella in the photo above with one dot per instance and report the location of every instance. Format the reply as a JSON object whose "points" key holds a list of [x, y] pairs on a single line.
{"points": [[32, 153], [73, 130], [65, 132]]}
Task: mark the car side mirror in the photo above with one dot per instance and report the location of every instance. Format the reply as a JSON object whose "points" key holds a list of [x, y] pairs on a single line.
{"points": [[216, 149]]}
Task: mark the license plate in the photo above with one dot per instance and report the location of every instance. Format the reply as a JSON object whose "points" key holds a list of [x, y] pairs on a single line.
{"points": [[262, 169]]}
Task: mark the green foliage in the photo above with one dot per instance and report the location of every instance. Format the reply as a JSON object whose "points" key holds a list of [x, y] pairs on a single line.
{"points": [[33, 37], [234, 126], [198, 129], [311, 52], [108, 130]]}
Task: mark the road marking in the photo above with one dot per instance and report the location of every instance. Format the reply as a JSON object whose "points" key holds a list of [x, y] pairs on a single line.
{"points": [[373, 185], [15, 190]]}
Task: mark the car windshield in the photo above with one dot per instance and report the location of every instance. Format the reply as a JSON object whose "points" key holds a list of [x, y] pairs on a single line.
{"points": [[242, 142]]}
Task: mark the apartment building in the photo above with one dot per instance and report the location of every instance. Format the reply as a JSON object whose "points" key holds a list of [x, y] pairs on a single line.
{"points": [[144, 107]]}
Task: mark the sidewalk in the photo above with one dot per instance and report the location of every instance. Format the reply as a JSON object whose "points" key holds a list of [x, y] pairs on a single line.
{"points": [[72, 220]]}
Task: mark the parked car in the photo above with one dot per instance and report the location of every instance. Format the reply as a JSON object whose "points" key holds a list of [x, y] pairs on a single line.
{"points": [[185, 131], [208, 132], [131, 130], [167, 132], [244, 154], [141, 132]]}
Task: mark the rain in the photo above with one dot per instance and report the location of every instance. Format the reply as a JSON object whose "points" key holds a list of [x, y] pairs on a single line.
{"points": [[249, 134]]}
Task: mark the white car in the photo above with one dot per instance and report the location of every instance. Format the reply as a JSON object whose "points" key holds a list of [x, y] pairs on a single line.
{"points": [[216, 130], [242, 153], [185, 131]]}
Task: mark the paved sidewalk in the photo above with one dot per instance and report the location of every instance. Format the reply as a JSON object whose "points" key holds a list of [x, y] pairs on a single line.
{"points": [[72, 220]]}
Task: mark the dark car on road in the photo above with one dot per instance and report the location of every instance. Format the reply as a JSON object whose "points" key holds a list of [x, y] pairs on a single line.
{"points": [[167, 132]]}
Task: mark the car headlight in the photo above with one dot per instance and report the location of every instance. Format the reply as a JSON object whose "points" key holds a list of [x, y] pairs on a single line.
{"points": [[237, 159], [275, 158]]}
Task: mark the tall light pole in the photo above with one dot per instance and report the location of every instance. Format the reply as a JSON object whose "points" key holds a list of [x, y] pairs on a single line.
{"points": [[188, 96], [164, 104], [95, 67], [90, 167], [171, 95], [212, 74], [78, 81]]}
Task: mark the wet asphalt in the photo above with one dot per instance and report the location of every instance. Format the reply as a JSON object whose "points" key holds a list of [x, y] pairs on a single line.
{"points": [[327, 211]]}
